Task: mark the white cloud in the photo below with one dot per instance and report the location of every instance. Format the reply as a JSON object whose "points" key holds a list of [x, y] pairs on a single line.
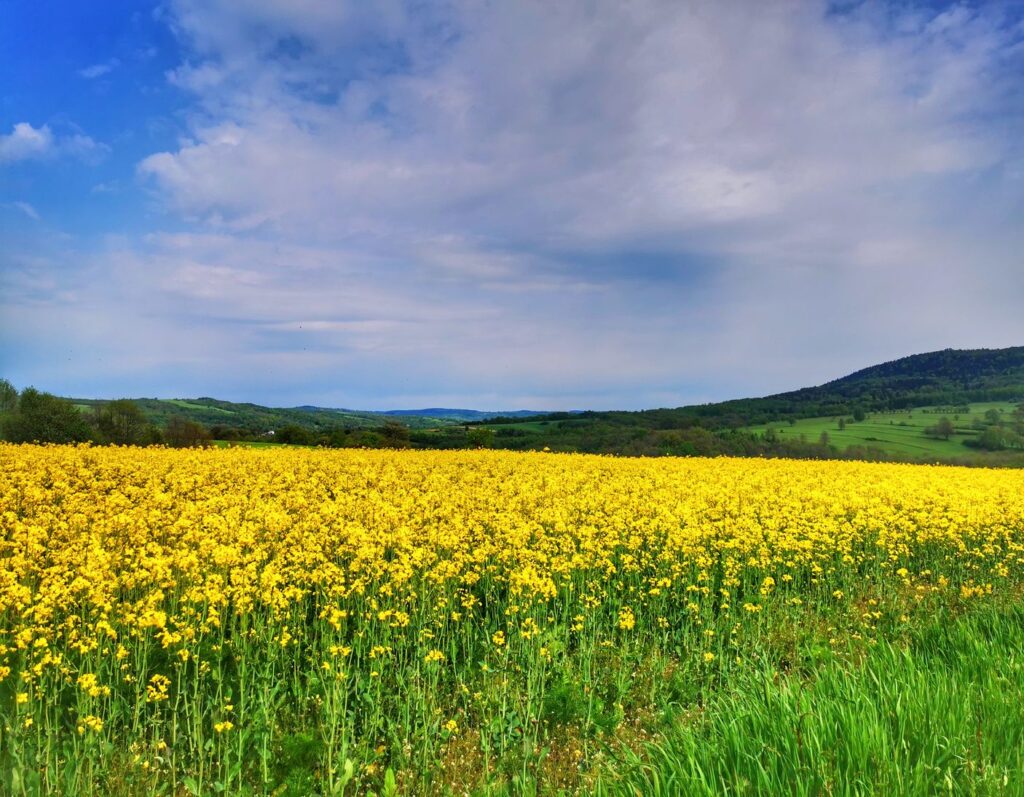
{"points": [[99, 70], [83, 147], [25, 142], [582, 125], [572, 204], [25, 208]]}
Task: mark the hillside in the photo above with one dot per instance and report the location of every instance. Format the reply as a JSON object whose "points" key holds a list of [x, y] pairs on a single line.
{"points": [[211, 412], [944, 379], [948, 377], [462, 416]]}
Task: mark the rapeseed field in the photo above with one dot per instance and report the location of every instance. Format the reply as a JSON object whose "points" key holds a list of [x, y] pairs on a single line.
{"points": [[298, 622]]}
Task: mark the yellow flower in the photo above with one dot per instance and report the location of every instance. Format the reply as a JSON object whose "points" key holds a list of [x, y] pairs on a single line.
{"points": [[156, 689], [91, 723]]}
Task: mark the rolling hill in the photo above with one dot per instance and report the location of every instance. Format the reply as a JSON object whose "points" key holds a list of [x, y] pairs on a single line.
{"points": [[950, 379], [212, 412]]}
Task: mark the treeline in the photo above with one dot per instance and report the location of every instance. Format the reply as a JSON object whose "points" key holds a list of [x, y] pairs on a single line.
{"points": [[998, 431], [33, 416]]}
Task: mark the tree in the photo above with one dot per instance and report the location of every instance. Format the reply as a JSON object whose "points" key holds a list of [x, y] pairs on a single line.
{"points": [[122, 422], [992, 439], [45, 418], [823, 439], [295, 435], [859, 414], [943, 429], [480, 437], [396, 435], [842, 424], [182, 433], [993, 417], [9, 397]]}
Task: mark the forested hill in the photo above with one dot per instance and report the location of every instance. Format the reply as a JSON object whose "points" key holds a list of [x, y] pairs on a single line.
{"points": [[948, 377], [951, 376]]}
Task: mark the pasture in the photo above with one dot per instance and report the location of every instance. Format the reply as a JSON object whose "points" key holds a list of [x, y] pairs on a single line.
{"points": [[899, 432]]}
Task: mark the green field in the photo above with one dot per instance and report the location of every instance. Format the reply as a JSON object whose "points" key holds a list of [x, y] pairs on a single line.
{"points": [[191, 405], [893, 432]]}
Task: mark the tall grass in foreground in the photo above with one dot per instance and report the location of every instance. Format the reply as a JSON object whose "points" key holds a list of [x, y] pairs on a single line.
{"points": [[941, 715]]}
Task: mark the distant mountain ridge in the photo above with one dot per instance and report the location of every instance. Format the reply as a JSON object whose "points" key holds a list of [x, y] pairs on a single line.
{"points": [[438, 413], [464, 415], [213, 412]]}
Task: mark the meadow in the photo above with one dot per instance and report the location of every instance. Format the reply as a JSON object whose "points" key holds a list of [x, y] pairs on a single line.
{"points": [[299, 622], [897, 432]]}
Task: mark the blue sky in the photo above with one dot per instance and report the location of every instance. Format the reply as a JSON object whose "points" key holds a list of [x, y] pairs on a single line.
{"points": [[503, 205]]}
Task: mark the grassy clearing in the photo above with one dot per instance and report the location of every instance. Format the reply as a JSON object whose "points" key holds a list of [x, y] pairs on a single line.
{"points": [[190, 405], [942, 714], [894, 432]]}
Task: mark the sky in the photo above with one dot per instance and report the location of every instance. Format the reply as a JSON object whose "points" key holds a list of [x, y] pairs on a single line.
{"points": [[503, 205]]}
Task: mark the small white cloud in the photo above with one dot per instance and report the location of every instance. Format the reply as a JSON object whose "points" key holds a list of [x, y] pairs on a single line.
{"points": [[83, 147], [99, 70], [25, 142], [27, 209]]}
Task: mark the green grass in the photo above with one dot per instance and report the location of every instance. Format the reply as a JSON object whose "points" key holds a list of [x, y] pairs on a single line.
{"points": [[942, 714], [190, 405], [534, 427], [894, 432]]}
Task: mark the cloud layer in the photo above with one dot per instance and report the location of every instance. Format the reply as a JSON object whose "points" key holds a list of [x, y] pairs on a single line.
{"points": [[576, 205]]}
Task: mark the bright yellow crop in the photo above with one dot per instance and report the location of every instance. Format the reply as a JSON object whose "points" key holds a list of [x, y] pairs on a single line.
{"points": [[129, 577]]}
